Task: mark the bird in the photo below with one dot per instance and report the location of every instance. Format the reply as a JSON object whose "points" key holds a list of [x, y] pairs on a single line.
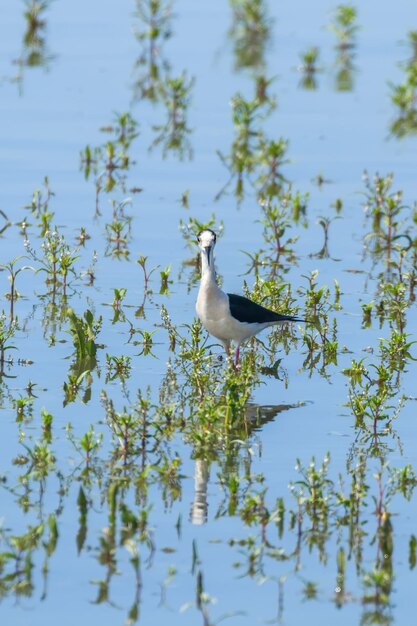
{"points": [[227, 316]]}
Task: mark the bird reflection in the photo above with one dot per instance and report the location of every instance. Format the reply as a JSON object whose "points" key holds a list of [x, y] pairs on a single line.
{"points": [[199, 507], [255, 417]]}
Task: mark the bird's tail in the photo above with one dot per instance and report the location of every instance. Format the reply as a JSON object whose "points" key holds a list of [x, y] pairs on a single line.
{"points": [[291, 318]]}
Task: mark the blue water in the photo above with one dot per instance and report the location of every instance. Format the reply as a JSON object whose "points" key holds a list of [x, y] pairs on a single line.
{"points": [[47, 119]]}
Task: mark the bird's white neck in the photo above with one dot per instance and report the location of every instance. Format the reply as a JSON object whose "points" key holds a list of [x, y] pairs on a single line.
{"points": [[208, 273]]}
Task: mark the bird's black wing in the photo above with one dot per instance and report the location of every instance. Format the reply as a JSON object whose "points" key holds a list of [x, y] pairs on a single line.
{"points": [[244, 310]]}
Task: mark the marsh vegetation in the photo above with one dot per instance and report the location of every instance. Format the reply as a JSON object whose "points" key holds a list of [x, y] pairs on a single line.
{"points": [[143, 477]]}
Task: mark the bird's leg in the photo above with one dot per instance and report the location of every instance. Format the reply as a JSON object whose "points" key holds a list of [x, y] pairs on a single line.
{"points": [[227, 348], [233, 364], [237, 356]]}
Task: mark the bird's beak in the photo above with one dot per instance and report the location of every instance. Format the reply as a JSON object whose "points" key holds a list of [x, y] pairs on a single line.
{"points": [[208, 250]]}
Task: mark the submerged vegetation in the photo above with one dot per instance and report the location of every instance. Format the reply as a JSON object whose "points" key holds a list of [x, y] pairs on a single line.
{"points": [[34, 47], [125, 428], [404, 94]]}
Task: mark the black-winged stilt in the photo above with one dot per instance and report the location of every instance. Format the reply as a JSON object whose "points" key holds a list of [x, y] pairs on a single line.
{"points": [[226, 316]]}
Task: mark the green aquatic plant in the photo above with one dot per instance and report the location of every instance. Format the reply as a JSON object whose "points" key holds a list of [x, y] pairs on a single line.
{"points": [[324, 222], [254, 157], [35, 27], [337, 205], [309, 68], [84, 331], [13, 272], [145, 342], [89, 159], [262, 85], [34, 52], [391, 305], [53, 306], [156, 16], [146, 273], [118, 231], [174, 134], [7, 332], [22, 405], [165, 281], [404, 95], [208, 396], [368, 395], [40, 460], [382, 204], [39, 209], [314, 493], [325, 515], [83, 237], [345, 27], [129, 426], [20, 554], [391, 241], [124, 130], [309, 60], [270, 157], [375, 395], [250, 33], [78, 383], [110, 162], [7, 223], [390, 229], [134, 429], [396, 352], [321, 348], [278, 217], [126, 532], [119, 296], [320, 337], [345, 71], [317, 300], [378, 582], [57, 262], [244, 152], [412, 42], [88, 446], [153, 30], [47, 421], [401, 480], [118, 367], [185, 199], [114, 162]]}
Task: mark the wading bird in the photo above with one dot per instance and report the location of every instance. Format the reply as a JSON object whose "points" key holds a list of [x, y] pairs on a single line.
{"points": [[226, 316]]}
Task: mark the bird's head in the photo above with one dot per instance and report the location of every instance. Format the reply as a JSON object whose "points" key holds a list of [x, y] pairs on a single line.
{"points": [[206, 242], [206, 238]]}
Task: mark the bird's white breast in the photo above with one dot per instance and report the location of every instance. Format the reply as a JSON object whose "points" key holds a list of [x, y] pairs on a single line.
{"points": [[214, 312], [213, 308]]}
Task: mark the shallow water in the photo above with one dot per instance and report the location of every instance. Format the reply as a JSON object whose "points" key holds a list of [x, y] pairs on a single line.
{"points": [[233, 565]]}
